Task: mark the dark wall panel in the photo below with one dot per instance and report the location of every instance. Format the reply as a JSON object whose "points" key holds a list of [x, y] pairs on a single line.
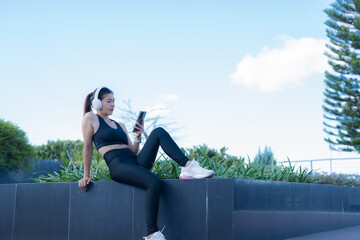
{"points": [[250, 225], [250, 194], [182, 210], [278, 196], [140, 227], [37, 166], [336, 196], [351, 200], [351, 219], [220, 208], [280, 225], [104, 211], [292, 209], [326, 198], [337, 220], [305, 223], [301, 194], [7, 208], [42, 211]]}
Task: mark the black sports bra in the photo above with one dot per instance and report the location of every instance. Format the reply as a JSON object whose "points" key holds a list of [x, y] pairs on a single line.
{"points": [[107, 135]]}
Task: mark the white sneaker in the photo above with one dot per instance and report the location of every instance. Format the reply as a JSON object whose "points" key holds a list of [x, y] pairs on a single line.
{"points": [[156, 236], [194, 170]]}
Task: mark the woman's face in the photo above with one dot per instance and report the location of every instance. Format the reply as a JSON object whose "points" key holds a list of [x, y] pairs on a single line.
{"points": [[108, 104]]}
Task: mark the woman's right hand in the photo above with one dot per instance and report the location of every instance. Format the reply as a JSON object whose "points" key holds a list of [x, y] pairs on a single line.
{"points": [[84, 182]]}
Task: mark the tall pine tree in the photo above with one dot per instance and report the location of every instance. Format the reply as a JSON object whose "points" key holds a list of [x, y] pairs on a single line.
{"points": [[342, 92]]}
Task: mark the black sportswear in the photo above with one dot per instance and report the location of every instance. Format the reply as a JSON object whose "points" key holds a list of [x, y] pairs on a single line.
{"points": [[107, 135], [127, 167]]}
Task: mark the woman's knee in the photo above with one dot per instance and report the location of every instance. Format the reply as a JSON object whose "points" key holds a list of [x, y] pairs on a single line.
{"points": [[159, 131], [156, 185]]}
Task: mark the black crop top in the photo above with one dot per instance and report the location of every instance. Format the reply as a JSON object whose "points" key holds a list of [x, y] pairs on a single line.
{"points": [[107, 135]]}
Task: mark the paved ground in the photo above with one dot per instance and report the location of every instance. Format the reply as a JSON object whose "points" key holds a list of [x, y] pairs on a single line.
{"points": [[351, 233]]}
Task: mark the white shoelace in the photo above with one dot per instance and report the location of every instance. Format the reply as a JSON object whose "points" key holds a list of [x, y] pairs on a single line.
{"points": [[196, 163], [146, 238]]}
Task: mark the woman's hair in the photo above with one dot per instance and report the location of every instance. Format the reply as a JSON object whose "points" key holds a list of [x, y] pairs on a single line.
{"points": [[90, 97]]}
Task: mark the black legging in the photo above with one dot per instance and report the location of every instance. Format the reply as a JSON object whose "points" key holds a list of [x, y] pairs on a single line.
{"points": [[126, 167]]}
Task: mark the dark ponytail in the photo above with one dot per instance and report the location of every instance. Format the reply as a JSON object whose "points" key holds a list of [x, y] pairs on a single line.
{"points": [[87, 105], [90, 97]]}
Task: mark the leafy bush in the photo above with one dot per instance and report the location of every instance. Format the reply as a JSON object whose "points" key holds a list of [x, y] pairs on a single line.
{"points": [[14, 147], [72, 172], [277, 173], [347, 180], [210, 154], [166, 168], [265, 158], [224, 165], [59, 150]]}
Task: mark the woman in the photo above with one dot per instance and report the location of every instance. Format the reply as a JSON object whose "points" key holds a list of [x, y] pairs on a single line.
{"points": [[125, 164]]}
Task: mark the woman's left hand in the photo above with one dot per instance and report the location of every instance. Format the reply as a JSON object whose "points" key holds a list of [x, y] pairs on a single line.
{"points": [[139, 128]]}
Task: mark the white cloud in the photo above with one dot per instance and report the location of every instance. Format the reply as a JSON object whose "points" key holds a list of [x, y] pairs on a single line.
{"points": [[162, 107], [170, 98], [272, 69]]}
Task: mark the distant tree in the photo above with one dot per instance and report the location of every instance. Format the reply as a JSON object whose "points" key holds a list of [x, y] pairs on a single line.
{"points": [[15, 149], [128, 116], [342, 93], [201, 152], [265, 158], [59, 150]]}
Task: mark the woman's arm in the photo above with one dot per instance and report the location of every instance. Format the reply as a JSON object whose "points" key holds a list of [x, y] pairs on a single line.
{"points": [[134, 147], [87, 131]]}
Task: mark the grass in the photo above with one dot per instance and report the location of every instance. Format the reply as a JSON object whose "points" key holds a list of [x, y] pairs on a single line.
{"points": [[224, 167], [166, 168]]}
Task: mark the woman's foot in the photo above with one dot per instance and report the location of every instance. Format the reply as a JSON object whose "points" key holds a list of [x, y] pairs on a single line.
{"points": [[156, 236], [194, 170]]}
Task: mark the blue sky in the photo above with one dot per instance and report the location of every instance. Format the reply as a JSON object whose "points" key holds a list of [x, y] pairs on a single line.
{"points": [[240, 74]]}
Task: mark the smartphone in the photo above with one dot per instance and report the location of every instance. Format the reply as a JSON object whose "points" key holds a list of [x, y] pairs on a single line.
{"points": [[139, 118]]}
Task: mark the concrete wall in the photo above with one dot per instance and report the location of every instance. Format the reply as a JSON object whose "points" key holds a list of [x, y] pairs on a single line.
{"points": [[206, 209], [36, 166], [280, 210]]}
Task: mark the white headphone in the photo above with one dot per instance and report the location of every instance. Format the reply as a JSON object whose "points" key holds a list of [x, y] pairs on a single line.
{"points": [[96, 102]]}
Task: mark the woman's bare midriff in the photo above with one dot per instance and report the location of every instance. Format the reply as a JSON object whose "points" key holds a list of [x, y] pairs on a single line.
{"points": [[105, 149]]}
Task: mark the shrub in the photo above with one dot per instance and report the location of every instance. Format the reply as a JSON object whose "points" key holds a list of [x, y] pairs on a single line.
{"points": [[14, 147], [211, 155], [224, 165], [347, 180], [277, 173], [228, 166], [72, 172], [265, 158], [59, 150]]}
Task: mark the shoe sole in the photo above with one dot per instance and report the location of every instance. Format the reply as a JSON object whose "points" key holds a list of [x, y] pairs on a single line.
{"points": [[197, 176]]}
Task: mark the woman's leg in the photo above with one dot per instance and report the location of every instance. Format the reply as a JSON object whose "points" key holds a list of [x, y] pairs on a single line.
{"points": [[160, 137], [125, 170]]}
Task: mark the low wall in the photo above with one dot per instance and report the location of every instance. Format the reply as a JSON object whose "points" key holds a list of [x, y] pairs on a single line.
{"points": [[208, 209], [36, 168], [281, 210]]}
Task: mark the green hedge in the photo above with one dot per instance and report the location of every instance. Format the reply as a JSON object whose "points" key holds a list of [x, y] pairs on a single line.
{"points": [[223, 164], [14, 147]]}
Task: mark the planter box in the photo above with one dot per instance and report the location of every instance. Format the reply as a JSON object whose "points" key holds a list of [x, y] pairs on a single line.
{"points": [[206, 209], [37, 166]]}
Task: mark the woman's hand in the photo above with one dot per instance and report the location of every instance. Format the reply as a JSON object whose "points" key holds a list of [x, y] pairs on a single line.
{"points": [[139, 128], [84, 182]]}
